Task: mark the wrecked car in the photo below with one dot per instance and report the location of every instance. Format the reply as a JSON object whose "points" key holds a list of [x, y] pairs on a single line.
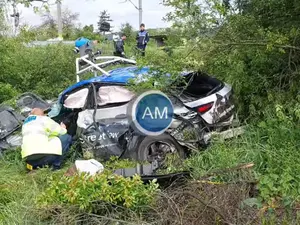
{"points": [[95, 112]]}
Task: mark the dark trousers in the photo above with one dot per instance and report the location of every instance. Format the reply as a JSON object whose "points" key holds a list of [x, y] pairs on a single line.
{"points": [[142, 49], [54, 161], [119, 54]]}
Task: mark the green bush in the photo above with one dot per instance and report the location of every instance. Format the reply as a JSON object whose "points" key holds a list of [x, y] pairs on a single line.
{"points": [[7, 92], [115, 163], [45, 70], [87, 193]]}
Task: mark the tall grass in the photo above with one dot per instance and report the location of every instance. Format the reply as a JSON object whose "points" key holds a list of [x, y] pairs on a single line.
{"points": [[19, 189], [273, 147]]}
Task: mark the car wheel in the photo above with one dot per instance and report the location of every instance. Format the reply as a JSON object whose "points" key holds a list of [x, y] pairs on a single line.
{"points": [[158, 148]]}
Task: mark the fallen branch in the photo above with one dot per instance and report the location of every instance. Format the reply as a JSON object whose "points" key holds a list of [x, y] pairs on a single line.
{"points": [[251, 182], [260, 44]]}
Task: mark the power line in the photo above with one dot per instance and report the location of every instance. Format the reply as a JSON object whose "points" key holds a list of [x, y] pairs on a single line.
{"points": [[139, 8], [133, 4]]}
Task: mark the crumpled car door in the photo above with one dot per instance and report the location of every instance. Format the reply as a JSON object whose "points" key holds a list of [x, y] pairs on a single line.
{"points": [[102, 132], [10, 121]]}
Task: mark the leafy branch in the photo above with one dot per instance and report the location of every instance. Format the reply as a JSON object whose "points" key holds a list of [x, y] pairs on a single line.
{"points": [[249, 43]]}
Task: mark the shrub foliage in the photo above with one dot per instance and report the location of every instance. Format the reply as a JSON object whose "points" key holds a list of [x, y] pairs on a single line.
{"points": [[87, 193], [45, 70]]}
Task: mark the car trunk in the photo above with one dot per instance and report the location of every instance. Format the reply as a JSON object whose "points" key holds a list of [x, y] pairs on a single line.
{"points": [[198, 85]]}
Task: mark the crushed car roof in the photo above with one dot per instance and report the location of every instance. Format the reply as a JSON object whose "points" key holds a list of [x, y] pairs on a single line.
{"points": [[119, 75], [116, 76]]}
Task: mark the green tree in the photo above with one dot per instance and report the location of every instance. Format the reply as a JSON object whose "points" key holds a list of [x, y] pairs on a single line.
{"points": [[249, 43], [88, 32], [88, 29], [104, 22], [127, 29], [68, 20]]}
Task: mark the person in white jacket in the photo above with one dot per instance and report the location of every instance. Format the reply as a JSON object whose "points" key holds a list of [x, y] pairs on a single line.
{"points": [[45, 142]]}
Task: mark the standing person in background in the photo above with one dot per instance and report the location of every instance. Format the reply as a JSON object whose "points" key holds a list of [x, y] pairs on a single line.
{"points": [[119, 47], [142, 39]]}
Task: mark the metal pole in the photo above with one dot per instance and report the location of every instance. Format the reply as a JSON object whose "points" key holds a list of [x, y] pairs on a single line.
{"points": [[140, 12], [59, 20]]}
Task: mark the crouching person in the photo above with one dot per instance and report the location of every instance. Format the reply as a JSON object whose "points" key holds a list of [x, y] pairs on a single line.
{"points": [[45, 142]]}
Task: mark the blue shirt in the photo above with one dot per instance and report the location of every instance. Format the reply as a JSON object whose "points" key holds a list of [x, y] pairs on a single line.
{"points": [[142, 37], [81, 42]]}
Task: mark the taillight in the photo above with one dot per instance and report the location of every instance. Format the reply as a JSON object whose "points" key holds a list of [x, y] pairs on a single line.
{"points": [[205, 108]]}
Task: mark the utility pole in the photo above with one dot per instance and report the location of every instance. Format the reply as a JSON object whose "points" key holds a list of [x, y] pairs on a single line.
{"points": [[140, 12], [59, 20], [140, 8]]}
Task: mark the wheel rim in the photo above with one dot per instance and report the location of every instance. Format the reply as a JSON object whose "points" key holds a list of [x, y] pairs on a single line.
{"points": [[158, 151]]}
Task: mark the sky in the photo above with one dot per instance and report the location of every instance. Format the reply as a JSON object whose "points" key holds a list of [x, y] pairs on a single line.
{"points": [[89, 10]]}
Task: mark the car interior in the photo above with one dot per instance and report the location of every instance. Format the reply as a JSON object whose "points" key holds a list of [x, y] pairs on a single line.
{"points": [[199, 85]]}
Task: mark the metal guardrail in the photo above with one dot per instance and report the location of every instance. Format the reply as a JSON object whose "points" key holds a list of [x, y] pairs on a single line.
{"points": [[45, 43], [107, 48]]}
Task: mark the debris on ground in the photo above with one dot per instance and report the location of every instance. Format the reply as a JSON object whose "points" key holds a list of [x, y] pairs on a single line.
{"points": [[90, 167], [10, 123], [28, 101], [11, 120]]}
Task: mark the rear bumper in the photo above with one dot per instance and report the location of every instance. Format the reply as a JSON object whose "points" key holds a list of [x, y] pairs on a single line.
{"points": [[222, 109]]}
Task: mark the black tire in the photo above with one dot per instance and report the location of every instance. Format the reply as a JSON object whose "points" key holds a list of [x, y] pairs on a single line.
{"points": [[143, 148]]}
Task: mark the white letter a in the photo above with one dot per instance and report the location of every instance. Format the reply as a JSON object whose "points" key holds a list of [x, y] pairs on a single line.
{"points": [[147, 113]]}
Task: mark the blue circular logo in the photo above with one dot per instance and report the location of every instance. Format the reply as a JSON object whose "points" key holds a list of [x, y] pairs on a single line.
{"points": [[152, 113]]}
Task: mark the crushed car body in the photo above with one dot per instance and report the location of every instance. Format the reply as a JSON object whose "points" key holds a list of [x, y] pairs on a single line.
{"points": [[27, 101], [95, 111], [11, 119]]}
